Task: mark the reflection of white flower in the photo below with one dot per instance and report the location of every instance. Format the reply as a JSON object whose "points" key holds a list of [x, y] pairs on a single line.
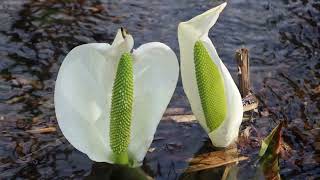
{"points": [[215, 99], [83, 96]]}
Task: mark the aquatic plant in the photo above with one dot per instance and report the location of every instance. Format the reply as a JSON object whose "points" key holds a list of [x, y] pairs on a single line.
{"points": [[270, 152], [214, 97], [109, 100]]}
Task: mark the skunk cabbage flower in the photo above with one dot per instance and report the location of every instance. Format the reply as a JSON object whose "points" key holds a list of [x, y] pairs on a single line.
{"points": [[214, 97], [109, 101]]}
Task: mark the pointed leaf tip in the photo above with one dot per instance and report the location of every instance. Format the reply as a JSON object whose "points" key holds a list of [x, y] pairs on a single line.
{"points": [[200, 25], [272, 142]]}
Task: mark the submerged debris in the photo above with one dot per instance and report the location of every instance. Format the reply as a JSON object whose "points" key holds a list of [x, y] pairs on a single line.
{"points": [[215, 159]]}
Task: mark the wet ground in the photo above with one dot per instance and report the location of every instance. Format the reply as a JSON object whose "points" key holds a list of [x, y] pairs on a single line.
{"points": [[283, 37]]}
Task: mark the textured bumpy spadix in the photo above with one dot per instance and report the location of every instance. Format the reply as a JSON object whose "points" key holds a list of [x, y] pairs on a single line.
{"points": [[210, 86], [214, 98], [121, 109], [109, 99]]}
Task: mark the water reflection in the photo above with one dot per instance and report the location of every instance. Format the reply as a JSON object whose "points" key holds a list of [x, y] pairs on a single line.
{"points": [[106, 171], [283, 38]]}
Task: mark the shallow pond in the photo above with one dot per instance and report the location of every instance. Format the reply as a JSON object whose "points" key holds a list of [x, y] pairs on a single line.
{"points": [[283, 37]]}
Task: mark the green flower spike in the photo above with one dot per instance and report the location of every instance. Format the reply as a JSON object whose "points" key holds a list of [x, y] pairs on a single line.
{"points": [[210, 87], [214, 97], [109, 100], [121, 109]]}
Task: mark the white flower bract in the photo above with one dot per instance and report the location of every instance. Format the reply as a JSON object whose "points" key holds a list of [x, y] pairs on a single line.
{"points": [[83, 93], [188, 33]]}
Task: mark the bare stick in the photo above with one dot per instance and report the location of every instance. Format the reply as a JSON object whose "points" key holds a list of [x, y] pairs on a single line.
{"points": [[242, 57], [42, 130], [249, 102], [226, 171]]}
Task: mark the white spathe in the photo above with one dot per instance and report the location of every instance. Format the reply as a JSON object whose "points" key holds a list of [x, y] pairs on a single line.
{"points": [[188, 33], [84, 88]]}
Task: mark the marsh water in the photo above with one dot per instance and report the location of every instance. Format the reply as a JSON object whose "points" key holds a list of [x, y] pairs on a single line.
{"points": [[283, 37]]}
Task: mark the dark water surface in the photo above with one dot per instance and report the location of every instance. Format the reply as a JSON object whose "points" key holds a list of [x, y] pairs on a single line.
{"points": [[283, 37]]}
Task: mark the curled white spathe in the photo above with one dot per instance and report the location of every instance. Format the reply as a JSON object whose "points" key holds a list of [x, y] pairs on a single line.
{"points": [[83, 93], [188, 33]]}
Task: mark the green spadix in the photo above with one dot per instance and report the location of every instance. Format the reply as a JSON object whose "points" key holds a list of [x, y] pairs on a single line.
{"points": [[121, 109], [210, 87]]}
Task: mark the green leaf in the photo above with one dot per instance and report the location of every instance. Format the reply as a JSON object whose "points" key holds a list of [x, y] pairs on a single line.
{"points": [[271, 137], [269, 153]]}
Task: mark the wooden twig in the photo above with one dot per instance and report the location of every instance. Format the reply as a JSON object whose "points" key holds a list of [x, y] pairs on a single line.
{"points": [[214, 159], [242, 58], [180, 118], [42, 130], [249, 102], [226, 171], [177, 111]]}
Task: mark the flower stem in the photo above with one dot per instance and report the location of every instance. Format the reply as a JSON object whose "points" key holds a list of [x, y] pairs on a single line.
{"points": [[122, 158]]}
